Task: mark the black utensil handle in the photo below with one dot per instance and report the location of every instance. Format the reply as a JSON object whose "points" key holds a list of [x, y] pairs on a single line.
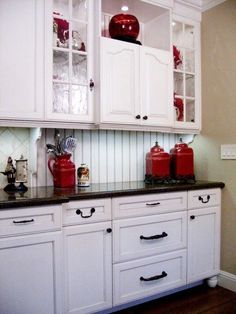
{"points": [[153, 204], [163, 274], [154, 237], [23, 221], [79, 212], [200, 198]]}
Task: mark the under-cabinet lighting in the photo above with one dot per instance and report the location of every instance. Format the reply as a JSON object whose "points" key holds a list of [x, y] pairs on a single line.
{"points": [[124, 8]]}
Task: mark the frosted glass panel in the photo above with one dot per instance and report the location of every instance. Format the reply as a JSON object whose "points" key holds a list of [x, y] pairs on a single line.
{"points": [[190, 92], [190, 110], [61, 7], [177, 33], [79, 99], [60, 98], [189, 36], [178, 83], [79, 69], [189, 61], [79, 36], [79, 9], [60, 66]]}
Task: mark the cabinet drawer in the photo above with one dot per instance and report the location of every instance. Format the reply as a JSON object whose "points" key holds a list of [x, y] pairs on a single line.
{"points": [[88, 211], [150, 204], [28, 220], [204, 198], [145, 236], [129, 277]]}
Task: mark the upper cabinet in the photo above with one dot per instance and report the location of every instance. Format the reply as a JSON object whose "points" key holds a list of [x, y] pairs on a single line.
{"points": [[21, 60], [69, 73], [186, 52], [135, 73]]}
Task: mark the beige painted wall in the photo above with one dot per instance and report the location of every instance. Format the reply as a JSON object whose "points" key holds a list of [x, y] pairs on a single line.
{"points": [[219, 117]]}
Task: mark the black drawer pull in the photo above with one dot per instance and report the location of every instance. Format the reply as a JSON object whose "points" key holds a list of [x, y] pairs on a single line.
{"points": [[138, 116], [154, 237], [192, 217], [145, 117], [163, 274], [79, 212], [206, 201], [153, 204], [23, 221]]}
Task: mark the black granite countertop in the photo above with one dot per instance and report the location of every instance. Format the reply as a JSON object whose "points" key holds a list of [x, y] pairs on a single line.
{"points": [[50, 195]]}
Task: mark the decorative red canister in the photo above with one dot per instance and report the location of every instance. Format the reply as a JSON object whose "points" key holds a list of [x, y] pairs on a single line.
{"points": [[124, 27], [157, 164], [182, 162], [63, 171]]}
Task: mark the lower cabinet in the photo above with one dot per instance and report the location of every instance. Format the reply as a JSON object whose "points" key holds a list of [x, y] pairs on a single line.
{"points": [[30, 274], [88, 267], [203, 243]]}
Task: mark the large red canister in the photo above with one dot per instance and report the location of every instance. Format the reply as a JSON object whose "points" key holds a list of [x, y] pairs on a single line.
{"points": [[182, 161], [63, 171], [157, 163]]}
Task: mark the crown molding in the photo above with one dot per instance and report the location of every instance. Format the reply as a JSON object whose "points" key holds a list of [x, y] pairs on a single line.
{"points": [[200, 5]]}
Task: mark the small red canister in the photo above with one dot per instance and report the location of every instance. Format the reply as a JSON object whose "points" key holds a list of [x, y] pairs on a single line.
{"points": [[157, 164], [182, 162], [63, 171]]}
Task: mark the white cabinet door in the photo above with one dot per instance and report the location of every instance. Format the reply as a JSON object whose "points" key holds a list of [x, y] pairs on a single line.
{"points": [[69, 60], [88, 273], [203, 243], [22, 59], [156, 87], [30, 274], [119, 82]]}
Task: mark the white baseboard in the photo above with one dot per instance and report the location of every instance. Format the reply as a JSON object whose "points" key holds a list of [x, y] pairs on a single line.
{"points": [[227, 280]]}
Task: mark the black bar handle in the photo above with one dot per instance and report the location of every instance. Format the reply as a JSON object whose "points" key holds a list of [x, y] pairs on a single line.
{"points": [[154, 237], [79, 212], [153, 204], [23, 221], [206, 201], [163, 274]]}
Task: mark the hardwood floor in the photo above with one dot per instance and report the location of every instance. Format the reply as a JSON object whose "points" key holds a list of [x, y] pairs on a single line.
{"points": [[196, 300]]}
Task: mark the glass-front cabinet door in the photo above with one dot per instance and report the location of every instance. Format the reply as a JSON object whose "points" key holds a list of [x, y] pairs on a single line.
{"points": [[70, 88], [186, 63]]}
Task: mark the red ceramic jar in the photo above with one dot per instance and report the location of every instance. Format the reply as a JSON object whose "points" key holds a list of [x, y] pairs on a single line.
{"points": [[124, 27]]}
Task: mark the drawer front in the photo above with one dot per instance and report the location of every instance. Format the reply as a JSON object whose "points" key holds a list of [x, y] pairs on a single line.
{"points": [[204, 198], [88, 211], [148, 276], [145, 236], [30, 220], [133, 206]]}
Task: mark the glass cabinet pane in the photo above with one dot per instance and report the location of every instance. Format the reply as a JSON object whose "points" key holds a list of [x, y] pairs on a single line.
{"points": [[61, 8], [79, 10], [79, 99], [189, 36], [190, 82], [61, 66], [178, 83], [60, 98], [178, 34], [79, 69], [79, 36], [189, 61], [190, 110]]}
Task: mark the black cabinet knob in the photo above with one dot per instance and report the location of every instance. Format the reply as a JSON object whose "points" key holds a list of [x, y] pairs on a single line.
{"points": [[109, 230], [138, 116], [192, 217], [145, 117]]}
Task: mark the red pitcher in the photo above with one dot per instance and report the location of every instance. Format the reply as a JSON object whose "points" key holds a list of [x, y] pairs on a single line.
{"points": [[63, 171]]}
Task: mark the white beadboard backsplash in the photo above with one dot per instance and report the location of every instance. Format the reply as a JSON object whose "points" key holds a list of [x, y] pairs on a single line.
{"points": [[112, 156]]}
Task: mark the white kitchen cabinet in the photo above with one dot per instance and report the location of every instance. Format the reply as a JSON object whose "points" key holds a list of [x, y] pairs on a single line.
{"points": [[88, 267], [186, 73], [30, 261], [69, 60], [22, 60], [135, 84], [87, 255], [204, 235]]}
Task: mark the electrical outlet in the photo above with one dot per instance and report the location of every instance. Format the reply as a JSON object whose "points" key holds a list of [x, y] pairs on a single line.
{"points": [[228, 151]]}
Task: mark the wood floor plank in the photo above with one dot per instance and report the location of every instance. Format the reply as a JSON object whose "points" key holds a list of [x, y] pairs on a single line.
{"points": [[198, 300]]}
